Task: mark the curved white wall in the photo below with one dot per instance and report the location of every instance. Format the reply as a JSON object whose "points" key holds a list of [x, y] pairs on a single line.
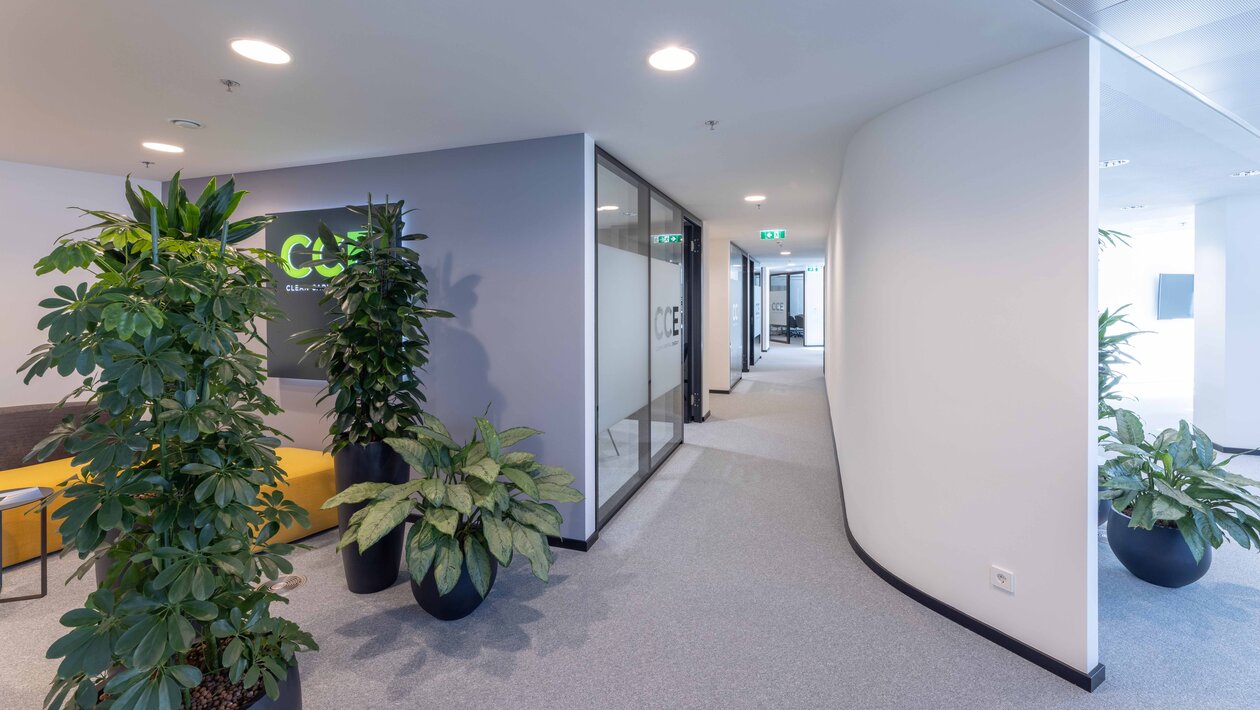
{"points": [[961, 286]]}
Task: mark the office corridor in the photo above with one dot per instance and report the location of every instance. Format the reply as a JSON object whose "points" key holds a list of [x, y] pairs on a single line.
{"points": [[727, 582]]}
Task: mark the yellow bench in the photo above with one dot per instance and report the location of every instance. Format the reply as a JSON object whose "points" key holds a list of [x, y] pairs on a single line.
{"points": [[310, 483]]}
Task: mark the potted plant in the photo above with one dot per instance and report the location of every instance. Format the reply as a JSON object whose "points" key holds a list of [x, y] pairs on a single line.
{"points": [[1112, 351], [372, 350], [1173, 501], [174, 458], [474, 504]]}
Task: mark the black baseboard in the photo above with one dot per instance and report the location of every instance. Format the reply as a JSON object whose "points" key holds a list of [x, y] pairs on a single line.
{"points": [[1235, 450], [719, 391], [569, 543], [706, 416], [1086, 681]]}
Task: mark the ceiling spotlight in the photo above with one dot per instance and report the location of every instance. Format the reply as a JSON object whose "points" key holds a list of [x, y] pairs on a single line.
{"points": [[754, 198], [260, 51], [785, 253], [607, 208], [1246, 173], [162, 147], [672, 59], [1134, 207], [187, 123], [1113, 163]]}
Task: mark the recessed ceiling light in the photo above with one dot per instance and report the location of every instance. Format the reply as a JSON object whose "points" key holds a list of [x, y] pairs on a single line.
{"points": [[260, 51], [607, 208], [672, 59], [1134, 207], [162, 147], [755, 198], [1113, 163], [186, 123], [1246, 173], [791, 263], [785, 253]]}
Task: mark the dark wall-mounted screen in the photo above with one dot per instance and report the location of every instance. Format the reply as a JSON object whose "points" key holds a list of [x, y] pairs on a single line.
{"points": [[1176, 296], [299, 285]]}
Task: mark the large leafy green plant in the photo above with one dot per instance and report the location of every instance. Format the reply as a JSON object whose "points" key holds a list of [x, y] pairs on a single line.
{"points": [[375, 344], [178, 485], [1112, 351], [1175, 479], [473, 500]]}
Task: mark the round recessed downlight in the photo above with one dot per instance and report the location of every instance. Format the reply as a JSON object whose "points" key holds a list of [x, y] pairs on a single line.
{"points": [[260, 51], [754, 198], [785, 253], [672, 59], [1113, 163], [162, 147], [607, 208], [1247, 173]]}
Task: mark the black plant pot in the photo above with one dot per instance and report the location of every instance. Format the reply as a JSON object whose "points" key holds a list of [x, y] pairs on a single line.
{"points": [[377, 567], [290, 694], [1104, 506], [1159, 555], [457, 603]]}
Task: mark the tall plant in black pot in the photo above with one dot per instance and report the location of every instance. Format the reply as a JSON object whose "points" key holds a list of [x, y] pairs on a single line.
{"points": [[372, 350], [178, 469]]}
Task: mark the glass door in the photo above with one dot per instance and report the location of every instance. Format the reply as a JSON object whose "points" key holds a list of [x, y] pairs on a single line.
{"points": [[779, 331], [666, 250]]}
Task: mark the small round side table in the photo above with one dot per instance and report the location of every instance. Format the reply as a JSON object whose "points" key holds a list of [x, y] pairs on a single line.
{"points": [[43, 544]]}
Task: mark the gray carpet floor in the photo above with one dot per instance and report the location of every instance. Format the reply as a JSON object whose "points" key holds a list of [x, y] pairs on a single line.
{"points": [[726, 582]]}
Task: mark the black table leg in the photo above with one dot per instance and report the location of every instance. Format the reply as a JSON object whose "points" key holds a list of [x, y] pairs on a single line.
{"points": [[43, 560]]}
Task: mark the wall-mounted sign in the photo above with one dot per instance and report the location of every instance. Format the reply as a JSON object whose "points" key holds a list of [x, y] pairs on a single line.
{"points": [[774, 234], [667, 238], [813, 268], [300, 284]]}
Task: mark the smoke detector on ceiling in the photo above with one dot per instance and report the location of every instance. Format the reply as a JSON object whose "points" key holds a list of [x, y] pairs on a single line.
{"points": [[186, 123]]}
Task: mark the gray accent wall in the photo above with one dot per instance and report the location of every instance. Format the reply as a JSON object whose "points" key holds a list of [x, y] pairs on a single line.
{"points": [[508, 252]]}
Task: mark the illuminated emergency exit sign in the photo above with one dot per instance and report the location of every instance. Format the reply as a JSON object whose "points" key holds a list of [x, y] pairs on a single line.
{"points": [[774, 234], [667, 238]]}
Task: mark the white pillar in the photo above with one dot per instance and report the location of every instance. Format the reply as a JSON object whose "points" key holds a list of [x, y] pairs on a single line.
{"points": [[1227, 321]]}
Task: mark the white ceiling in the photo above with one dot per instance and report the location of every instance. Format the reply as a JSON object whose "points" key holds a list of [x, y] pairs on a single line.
{"points": [[85, 83], [1182, 152], [1211, 45]]}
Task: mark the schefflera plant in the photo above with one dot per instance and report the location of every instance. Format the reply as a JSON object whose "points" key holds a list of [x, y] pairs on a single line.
{"points": [[474, 500], [178, 468]]}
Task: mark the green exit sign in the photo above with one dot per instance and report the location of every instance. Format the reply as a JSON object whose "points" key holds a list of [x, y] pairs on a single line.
{"points": [[667, 238], [774, 234], [812, 269]]}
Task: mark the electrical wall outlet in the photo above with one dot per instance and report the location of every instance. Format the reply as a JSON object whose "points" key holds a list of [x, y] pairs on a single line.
{"points": [[1002, 579]]}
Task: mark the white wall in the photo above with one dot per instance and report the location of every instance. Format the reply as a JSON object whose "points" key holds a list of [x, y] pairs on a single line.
{"points": [[34, 201], [1227, 321], [814, 307], [717, 316], [765, 309], [962, 372], [1160, 385]]}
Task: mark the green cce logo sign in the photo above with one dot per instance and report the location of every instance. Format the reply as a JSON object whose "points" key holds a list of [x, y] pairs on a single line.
{"points": [[303, 242]]}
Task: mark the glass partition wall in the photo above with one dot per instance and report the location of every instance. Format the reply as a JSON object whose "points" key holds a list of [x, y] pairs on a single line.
{"points": [[639, 332]]}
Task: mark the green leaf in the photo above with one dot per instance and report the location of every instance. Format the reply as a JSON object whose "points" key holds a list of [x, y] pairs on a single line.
{"points": [[447, 564], [533, 545], [458, 497], [522, 480], [1165, 508], [1190, 533], [1129, 427], [444, 519], [478, 561], [382, 518], [357, 493], [498, 538], [490, 437], [412, 451], [486, 469], [535, 515], [515, 435], [560, 494], [422, 541]]}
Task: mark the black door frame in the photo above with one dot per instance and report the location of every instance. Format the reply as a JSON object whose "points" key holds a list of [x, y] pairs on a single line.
{"points": [[693, 343], [752, 289]]}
